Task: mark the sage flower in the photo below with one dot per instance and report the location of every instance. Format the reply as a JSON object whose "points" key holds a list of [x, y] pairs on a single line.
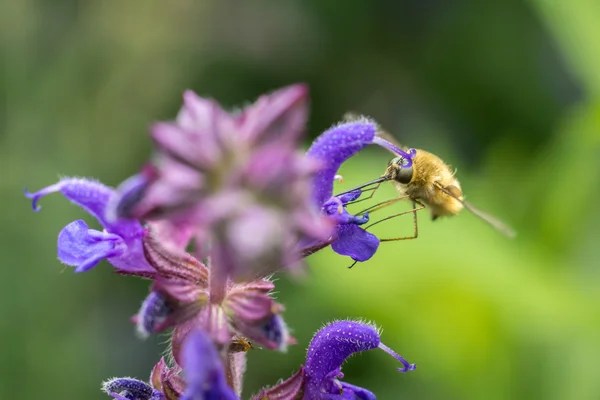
{"points": [[120, 242], [321, 376], [332, 149]]}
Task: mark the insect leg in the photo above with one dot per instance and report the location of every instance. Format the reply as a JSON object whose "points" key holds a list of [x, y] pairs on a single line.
{"points": [[385, 204], [415, 222]]}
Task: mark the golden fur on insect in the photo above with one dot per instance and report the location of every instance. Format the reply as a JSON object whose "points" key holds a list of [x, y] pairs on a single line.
{"points": [[429, 174]]}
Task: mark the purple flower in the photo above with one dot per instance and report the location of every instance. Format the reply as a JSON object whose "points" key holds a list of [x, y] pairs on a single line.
{"points": [[130, 389], [320, 378], [120, 243], [165, 384], [154, 315], [332, 148], [236, 179], [204, 372], [328, 350]]}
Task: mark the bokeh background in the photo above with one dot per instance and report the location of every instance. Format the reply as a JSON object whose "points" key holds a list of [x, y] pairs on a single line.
{"points": [[506, 91]]}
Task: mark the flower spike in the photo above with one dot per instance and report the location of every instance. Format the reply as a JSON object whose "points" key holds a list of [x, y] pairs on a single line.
{"points": [[241, 172]]}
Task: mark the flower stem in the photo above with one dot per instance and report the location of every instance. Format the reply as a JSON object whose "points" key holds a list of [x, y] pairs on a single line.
{"points": [[235, 366], [311, 250], [218, 284]]}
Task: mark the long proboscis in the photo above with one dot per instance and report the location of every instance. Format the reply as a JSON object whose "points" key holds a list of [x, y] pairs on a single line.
{"points": [[364, 185], [492, 221]]}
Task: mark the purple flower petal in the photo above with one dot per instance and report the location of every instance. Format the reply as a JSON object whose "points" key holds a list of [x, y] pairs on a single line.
{"points": [[83, 248], [154, 312], [118, 396], [133, 259], [156, 395], [334, 208], [350, 196], [356, 393], [203, 370], [328, 350], [334, 343], [93, 197], [355, 242], [128, 388], [128, 194], [334, 147]]}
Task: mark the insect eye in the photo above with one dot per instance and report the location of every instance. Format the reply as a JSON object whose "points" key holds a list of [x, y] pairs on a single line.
{"points": [[400, 161], [405, 175]]}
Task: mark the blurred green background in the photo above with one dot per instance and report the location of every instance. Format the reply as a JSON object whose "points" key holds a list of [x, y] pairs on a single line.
{"points": [[508, 92]]}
